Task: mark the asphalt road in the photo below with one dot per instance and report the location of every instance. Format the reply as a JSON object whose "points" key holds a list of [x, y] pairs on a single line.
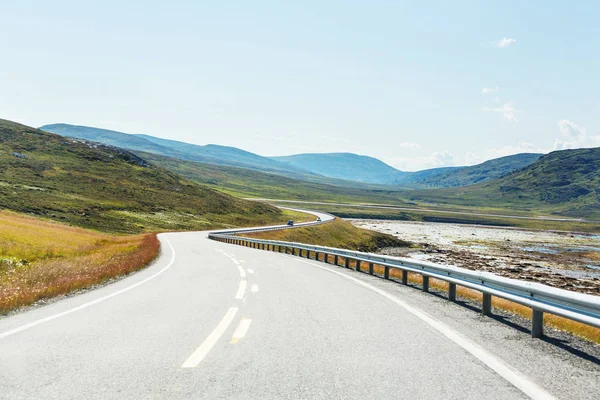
{"points": [[210, 320]]}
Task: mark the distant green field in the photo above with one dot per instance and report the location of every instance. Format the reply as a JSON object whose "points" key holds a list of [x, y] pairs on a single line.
{"points": [[450, 216]]}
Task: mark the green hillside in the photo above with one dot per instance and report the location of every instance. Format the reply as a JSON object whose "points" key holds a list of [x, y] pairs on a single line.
{"points": [[107, 188], [465, 176], [348, 166], [566, 182]]}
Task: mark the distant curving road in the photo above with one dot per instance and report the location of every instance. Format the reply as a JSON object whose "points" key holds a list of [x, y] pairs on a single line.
{"points": [[210, 320]]}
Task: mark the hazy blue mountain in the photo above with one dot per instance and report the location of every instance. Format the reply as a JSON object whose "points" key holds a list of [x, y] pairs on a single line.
{"points": [[371, 170], [565, 181], [212, 154], [105, 136], [345, 166], [465, 176], [342, 169]]}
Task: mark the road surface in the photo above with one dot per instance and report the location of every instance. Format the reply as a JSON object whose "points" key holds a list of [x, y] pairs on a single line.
{"points": [[210, 320]]}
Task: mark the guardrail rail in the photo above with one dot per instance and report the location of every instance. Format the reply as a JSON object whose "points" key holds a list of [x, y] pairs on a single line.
{"points": [[540, 298]]}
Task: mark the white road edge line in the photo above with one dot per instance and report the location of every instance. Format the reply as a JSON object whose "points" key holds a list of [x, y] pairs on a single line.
{"points": [[241, 290], [91, 303], [516, 378], [254, 288], [242, 272], [212, 339], [241, 330]]}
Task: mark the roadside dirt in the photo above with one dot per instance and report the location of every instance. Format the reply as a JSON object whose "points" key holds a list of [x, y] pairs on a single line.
{"points": [[561, 259]]}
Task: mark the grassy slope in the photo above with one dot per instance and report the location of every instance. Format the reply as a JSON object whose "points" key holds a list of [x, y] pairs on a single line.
{"points": [[109, 189], [41, 259], [339, 233]]}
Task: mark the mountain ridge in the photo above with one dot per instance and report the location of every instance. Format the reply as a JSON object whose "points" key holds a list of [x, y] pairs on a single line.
{"points": [[345, 169]]}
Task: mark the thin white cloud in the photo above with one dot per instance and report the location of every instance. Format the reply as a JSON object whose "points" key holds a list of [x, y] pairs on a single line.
{"points": [[486, 90], [574, 136], [505, 42], [497, 152], [408, 145], [434, 160], [441, 159], [508, 111]]}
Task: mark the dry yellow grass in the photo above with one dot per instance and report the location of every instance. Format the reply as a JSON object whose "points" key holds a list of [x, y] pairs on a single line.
{"points": [[41, 259]]}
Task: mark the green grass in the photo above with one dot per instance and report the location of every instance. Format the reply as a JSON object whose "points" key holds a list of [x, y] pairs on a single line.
{"points": [[109, 189], [339, 233]]}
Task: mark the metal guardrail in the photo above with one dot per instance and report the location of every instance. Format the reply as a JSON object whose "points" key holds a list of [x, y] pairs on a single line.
{"points": [[540, 298]]}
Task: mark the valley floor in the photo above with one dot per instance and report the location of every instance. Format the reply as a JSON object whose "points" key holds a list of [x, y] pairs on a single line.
{"points": [[561, 259]]}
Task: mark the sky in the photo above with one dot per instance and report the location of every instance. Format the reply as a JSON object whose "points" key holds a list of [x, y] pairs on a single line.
{"points": [[416, 84]]}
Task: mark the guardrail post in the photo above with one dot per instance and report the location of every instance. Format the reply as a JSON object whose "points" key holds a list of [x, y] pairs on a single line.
{"points": [[452, 291], [346, 262], [404, 277], [370, 268], [537, 323], [486, 306], [386, 272], [357, 266], [425, 283], [335, 259]]}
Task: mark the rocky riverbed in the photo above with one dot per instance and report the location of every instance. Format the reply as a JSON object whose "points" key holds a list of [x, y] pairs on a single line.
{"points": [[562, 259]]}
